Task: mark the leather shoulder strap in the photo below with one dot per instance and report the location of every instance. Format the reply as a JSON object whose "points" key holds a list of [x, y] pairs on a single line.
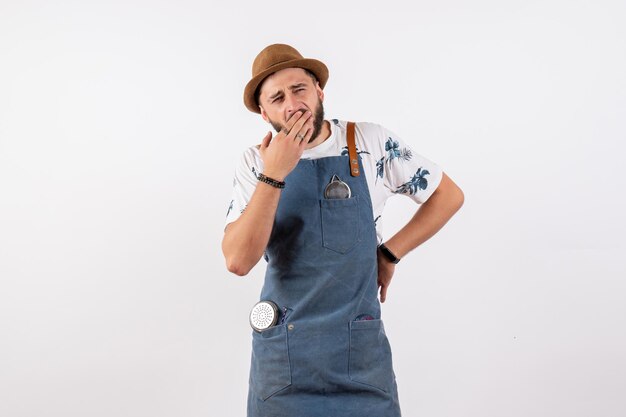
{"points": [[354, 160]]}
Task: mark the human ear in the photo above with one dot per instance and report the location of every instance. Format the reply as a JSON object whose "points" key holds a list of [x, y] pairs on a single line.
{"points": [[264, 114]]}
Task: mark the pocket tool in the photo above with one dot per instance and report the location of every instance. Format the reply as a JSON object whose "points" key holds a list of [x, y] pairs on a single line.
{"points": [[264, 315], [337, 189]]}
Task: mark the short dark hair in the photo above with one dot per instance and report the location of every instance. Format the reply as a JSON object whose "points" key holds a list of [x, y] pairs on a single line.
{"points": [[257, 92]]}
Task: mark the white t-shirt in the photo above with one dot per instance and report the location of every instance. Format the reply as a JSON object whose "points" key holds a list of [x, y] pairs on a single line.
{"points": [[390, 166]]}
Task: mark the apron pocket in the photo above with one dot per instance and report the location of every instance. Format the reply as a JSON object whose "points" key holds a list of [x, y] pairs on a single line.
{"points": [[340, 224], [370, 355], [270, 371]]}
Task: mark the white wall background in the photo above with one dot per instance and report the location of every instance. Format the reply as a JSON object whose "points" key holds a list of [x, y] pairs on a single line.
{"points": [[121, 122]]}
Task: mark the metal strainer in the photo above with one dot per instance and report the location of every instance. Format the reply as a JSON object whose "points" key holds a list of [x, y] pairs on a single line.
{"points": [[264, 315], [337, 189]]}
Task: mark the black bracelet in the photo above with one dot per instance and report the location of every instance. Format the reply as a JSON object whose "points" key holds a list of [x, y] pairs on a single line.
{"points": [[271, 181], [388, 254]]}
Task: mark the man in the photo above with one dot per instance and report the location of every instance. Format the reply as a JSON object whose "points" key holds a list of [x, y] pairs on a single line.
{"points": [[309, 199]]}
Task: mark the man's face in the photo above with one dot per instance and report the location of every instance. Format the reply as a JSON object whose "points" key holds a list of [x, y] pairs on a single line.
{"points": [[288, 91]]}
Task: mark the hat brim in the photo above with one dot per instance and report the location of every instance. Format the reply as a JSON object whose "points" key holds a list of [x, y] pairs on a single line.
{"points": [[316, 67]]}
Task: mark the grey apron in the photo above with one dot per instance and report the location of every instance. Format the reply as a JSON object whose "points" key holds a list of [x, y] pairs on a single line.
{"points": [[328, 356]]}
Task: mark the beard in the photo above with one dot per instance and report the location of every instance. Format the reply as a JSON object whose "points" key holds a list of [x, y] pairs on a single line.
{"points": [[318, 120]]}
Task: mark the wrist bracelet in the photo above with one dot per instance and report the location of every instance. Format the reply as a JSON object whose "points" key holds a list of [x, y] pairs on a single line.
{"points": [[388, 254], [271, 181]]}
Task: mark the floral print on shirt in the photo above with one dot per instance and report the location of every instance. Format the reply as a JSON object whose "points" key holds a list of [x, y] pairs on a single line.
{"points": [[417, 182], [393, 152]]}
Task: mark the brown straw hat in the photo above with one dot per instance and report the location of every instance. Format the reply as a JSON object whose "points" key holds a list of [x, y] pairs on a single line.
{"points": [[274, 58]]}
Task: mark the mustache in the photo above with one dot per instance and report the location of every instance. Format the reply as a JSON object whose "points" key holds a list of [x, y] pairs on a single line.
{"points": [[318, 120]]}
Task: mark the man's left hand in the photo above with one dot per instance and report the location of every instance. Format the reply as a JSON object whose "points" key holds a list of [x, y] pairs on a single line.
{"points": [[385, 273]]}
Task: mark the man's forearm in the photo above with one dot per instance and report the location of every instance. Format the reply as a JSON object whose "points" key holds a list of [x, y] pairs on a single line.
{"points": [[429, 219], [246, 238]]}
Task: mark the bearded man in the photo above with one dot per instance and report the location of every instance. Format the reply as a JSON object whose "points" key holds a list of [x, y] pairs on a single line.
{"points": [[309, 199]]}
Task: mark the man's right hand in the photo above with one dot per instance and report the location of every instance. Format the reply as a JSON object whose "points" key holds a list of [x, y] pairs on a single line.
{"points": [[281, 154], [246, 238]]}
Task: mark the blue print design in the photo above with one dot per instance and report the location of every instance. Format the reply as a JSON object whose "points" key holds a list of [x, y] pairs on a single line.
{"points": [[417, 182], [392, 147], [380, 168], [230, 207], [393, 150]]}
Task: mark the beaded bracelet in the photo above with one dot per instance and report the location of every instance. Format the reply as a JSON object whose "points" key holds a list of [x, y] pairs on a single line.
{"points": [[271, 181]]}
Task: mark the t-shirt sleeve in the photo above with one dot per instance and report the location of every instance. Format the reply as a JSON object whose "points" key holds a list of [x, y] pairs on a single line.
{"points": [[405, 171], [244, 184]]}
